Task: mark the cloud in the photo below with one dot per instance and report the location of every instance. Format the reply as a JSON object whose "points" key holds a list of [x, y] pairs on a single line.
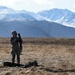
{"points": [[29, 5], [74, 5], [15, 4], [7, 2], [11, 2], [42, 2], [73, 8]]}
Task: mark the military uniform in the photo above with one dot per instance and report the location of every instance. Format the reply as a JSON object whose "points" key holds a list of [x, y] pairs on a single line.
{"points": [[15, 41]]}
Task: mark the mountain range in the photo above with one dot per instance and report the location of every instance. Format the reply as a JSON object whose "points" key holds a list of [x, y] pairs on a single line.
{"points": [[62, 16], [57, 23], [8, 14]]}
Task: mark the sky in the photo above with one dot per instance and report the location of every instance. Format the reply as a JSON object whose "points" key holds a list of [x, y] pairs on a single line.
{"points": [[38, 5]]}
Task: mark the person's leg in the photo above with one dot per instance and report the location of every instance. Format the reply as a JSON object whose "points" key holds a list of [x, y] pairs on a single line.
{"points": [[13, 58], [18, 57]]}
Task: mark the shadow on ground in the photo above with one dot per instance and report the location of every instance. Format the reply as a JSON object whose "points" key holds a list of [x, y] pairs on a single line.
{"points": [[34, 63]]}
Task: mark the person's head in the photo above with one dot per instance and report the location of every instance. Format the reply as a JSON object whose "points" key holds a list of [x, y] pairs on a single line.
{"points": [[14, 33]]}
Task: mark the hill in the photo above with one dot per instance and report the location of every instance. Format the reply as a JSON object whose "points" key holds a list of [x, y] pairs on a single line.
{"points": [[36, 29]]}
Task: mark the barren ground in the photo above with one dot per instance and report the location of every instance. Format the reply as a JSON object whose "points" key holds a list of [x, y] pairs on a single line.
{"points": [[55, 56]]}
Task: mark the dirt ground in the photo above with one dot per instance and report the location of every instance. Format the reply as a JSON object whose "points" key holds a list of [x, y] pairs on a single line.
{"points": [[54, 56]]}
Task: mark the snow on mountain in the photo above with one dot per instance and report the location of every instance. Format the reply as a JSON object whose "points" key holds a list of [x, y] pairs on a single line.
{"points": [[9, 14], [38, 17], [31, 24], [62, 16]]}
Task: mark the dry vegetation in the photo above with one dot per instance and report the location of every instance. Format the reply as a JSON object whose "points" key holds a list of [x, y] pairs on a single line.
{"points": [[55, 56]]}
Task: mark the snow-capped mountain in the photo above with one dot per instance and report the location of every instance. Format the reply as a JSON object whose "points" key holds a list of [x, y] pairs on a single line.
{"points": [[31, 24], [62, 16], [9, 14]]}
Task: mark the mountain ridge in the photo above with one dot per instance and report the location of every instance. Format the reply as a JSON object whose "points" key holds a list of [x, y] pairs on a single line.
{"points": [[34, 29], [62, 16], [31, 24], [9, 14]]}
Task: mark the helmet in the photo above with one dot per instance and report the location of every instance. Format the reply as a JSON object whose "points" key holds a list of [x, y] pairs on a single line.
{"points": [[14, 32]]}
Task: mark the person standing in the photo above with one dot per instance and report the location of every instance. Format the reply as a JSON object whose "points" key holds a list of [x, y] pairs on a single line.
{"points": [[16, 43]]}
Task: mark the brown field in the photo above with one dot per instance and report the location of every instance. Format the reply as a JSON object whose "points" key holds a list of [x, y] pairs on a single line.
{"points": [[54, 56]]}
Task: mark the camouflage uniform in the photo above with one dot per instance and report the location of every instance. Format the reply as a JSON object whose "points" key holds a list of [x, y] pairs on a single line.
{"points": [[15, 49]]}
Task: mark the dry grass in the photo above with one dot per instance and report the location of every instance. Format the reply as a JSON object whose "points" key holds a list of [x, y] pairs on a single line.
{"points": [[52, 55]]}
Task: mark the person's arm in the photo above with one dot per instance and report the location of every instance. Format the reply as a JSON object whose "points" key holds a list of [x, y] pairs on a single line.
{"points": [[13, 41]]}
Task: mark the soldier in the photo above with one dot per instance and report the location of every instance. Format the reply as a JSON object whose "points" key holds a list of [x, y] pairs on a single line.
{"points": [[16, 41]]}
